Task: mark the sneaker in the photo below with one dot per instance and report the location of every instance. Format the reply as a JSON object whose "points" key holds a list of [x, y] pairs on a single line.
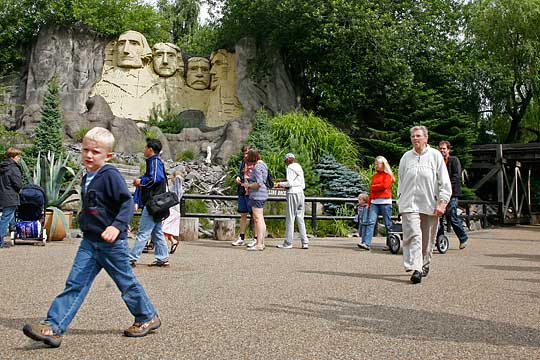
{"points": [[143, 329], [425, 270], [284, 246], [160, 263], [256, 248], [416, 277], [43, 333], [305, 246], [252, 243], [463, 245], [238, 242], [364, 247]]}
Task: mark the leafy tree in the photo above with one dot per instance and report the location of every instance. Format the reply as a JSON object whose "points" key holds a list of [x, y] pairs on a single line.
{"points": [[23, 19], [201, 41], [181, 17], [371, 68], [503, 34], [48, 136]]}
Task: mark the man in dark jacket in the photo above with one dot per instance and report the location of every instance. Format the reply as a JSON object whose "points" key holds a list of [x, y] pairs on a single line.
{"points": [[152, 183], [10, 185], [454, 171]]}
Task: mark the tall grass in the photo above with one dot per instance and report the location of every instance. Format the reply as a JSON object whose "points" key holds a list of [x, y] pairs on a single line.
{"points": [[311, 137]]}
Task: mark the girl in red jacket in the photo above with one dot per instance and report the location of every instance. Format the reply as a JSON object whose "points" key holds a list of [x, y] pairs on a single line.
{"points": [[380, 200]]}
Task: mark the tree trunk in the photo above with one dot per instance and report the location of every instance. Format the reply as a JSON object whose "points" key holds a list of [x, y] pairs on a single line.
{"points": [[189, 228], [224, 229]]}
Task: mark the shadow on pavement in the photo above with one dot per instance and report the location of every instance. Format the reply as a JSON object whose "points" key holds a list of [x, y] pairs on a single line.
{"points": [[410, 324]]}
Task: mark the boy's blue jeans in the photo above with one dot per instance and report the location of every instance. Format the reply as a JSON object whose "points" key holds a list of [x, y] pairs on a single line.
{"points": [[91, 257], [149, 227]]}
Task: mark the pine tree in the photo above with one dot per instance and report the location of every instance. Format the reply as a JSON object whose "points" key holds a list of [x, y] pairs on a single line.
{"points": [[338, 180], [48, 135]]}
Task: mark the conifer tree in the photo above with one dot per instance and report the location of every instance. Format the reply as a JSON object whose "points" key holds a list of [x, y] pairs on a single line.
{"points": [[49, 132], [338, 180]]}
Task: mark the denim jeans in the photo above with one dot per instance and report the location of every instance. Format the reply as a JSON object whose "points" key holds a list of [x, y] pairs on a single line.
{"points": [[453, 219], [149, 227], [8, 214], [91, 257], [374, 211]]}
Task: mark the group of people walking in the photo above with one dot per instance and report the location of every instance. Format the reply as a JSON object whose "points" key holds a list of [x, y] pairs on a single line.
{"points": [[425, 192], [429, 187]]}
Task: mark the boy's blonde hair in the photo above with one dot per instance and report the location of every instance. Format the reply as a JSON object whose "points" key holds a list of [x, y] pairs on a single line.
{"points": [[102, 136], [363, 196]]}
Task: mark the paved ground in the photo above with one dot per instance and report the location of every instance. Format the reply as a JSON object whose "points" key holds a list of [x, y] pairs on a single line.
{"points": [[329, 302]]}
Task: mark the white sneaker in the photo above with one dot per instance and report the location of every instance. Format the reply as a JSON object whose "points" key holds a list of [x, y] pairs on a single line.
{"points": [[252, 243], [238, 242], [305, 246], [283, 246]]}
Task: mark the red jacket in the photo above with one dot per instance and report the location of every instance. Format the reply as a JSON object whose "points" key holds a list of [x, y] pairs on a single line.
{"points": [[381, 186]]}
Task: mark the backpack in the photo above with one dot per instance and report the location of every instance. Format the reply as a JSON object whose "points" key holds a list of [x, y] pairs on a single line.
{"points": [[269, 182]]}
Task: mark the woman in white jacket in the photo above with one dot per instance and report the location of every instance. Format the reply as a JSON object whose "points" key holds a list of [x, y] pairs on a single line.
{"points": [[424, 189]]}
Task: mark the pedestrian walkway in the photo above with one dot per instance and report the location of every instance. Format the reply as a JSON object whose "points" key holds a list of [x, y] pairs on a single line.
{"points": [[332, 301]]}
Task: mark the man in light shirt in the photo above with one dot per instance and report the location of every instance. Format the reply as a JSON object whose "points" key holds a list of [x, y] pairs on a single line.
{"points": [[424, 190], [295, 186]]}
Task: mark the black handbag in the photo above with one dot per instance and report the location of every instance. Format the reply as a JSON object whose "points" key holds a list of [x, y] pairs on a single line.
{"points": [[161, 202]]}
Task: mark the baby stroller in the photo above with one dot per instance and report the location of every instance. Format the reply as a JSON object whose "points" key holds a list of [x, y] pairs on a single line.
{"points": [[395, 238], [30, 216]]}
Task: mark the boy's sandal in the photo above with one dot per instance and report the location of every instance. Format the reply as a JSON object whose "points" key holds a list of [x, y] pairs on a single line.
{"points": [[43, 333]]}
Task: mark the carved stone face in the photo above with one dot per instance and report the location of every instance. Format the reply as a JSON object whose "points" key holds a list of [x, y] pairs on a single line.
{"points": [[130, 50], [198, 73], [220, 69], [167, 59]]}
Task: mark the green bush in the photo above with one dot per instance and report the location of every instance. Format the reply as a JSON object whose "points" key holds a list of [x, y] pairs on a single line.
{"points": [[185, 155], [79, 135], [168, 120], [198, 206]]}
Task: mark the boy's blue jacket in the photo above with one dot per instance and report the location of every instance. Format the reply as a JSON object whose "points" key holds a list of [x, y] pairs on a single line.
{"points": [[107, 201], [153, 181]]}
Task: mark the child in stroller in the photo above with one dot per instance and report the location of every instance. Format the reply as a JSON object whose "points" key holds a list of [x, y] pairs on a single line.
{"points": [[29, 217], [396, 237]]}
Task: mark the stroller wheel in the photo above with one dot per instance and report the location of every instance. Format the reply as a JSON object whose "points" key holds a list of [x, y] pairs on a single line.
{"points": [[394, 243], [442, 244]]}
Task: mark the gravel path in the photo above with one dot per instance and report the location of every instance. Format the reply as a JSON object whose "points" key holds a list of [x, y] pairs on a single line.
{"points": [[332, 301]]}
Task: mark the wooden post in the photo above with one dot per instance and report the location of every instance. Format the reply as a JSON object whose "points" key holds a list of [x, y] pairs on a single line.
{"points": [[189, 228], [224, 229]]}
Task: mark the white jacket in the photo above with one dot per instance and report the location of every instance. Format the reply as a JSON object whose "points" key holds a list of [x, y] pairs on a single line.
{"points": [[423, 181], [295, 179]]}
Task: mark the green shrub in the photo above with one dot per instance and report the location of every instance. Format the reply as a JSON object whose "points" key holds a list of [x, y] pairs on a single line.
{"points": [[198, 206], [168, 119], [79, 135], [185, 155]]}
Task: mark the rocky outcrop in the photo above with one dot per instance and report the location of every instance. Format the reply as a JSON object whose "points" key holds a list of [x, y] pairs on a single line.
{"points": [[76, 57]]}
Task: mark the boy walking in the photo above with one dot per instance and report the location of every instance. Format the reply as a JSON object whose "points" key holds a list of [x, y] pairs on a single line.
{"points": [[107, 209]]}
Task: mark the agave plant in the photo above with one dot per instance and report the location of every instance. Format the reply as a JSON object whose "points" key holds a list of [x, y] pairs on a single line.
{"points": [[50, 173]]}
